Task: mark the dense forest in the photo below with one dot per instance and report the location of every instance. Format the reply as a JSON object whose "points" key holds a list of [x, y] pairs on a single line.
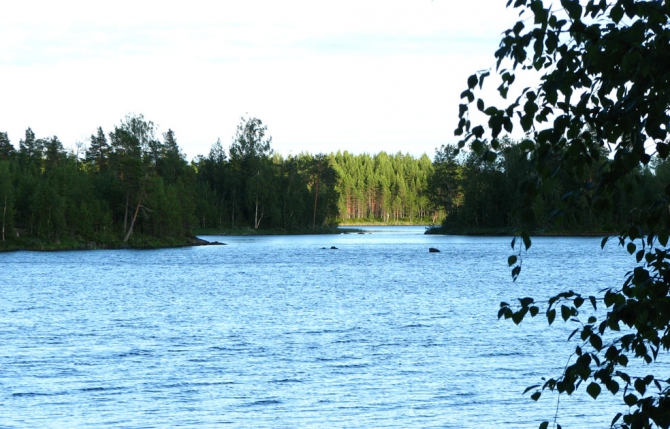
{"points": [[383, 188], [132, 187], [482, 195]]}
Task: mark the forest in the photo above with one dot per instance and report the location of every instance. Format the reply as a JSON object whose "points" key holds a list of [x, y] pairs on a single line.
{"points": [[131, 187], [481, 194]]}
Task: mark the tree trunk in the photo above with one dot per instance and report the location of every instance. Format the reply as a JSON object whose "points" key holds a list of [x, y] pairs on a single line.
{"points": [[257, 220], [316, 197], [125, 216], [132, 224], [4, 214], [232, 212], [256, 214]]}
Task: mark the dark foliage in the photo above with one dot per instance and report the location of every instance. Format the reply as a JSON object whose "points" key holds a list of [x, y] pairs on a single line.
{"points": [[600, 117]]}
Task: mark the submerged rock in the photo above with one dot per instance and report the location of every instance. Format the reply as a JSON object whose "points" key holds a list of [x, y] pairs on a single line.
{"points": [[195, 241], [333, 247]]}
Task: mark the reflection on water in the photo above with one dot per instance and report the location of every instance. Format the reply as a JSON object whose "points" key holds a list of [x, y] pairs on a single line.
{"points": [[287, 332]]}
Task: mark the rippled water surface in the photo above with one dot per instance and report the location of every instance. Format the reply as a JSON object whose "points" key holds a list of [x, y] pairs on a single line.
{"points": [[286, 332]]}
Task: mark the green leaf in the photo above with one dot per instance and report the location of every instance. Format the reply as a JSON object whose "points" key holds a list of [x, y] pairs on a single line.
{"points": [[613, 387], [640, 386], [525, 302], [526, 240], [526, 145], [593, 302], [507, 124], [593, 389], [529, 388], [478, 131], [468, 94], [602, 243], [534, 310], [630, 399], [544, 425], [472, 81], [631, 248], [477, 146], [518, 316], [640, 274], [502, 312], [551, 315], [596, 342], [565, 312], [616, 14], [639, 255], [573, 8], [535, 396], [572, 335], [491, 111]]}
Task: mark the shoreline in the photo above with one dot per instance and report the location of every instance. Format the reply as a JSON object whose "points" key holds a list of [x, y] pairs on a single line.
{"points": [[241, 232], [506, 233], [140, 242], [152, 243]]}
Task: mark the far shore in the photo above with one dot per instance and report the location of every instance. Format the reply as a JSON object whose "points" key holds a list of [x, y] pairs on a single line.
{"points": [[276, 231], [438, 230]]}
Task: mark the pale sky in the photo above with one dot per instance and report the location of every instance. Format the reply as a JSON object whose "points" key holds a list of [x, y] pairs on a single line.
{"points": [[362, 76]]}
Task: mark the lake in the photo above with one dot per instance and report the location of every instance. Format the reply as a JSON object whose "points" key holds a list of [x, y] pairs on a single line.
{"points": [[283, 331]]}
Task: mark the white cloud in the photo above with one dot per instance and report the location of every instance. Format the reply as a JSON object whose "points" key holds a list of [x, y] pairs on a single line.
{"points": [[357, 76]]}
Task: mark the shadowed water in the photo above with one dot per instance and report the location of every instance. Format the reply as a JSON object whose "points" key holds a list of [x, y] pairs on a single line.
{"points": [[279, 332]]}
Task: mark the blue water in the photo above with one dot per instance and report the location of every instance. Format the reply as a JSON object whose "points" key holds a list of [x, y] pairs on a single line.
{"points": [[286, 332]]}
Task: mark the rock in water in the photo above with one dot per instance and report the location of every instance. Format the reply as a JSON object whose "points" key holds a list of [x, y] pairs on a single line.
{"points": [[433, 250]]}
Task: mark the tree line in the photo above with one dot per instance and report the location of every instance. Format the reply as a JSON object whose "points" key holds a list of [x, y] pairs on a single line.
{"points": [[480, 193], [132, 185], [384, 188]]}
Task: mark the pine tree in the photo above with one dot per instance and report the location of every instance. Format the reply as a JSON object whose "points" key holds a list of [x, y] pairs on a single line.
{"points": [[97, 153], [30, 148], [7, 151]]}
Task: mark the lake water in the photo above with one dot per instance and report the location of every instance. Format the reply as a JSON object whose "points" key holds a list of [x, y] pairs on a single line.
{"points": [[286, 332]]}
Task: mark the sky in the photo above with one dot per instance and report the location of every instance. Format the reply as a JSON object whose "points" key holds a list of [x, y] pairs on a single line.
{"points": [[362, 76]]}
